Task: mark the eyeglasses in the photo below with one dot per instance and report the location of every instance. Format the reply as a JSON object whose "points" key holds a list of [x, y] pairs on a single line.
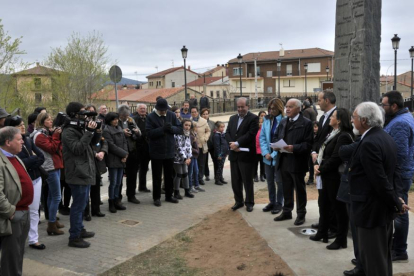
{"points": [[354, 117], [382, 105]]}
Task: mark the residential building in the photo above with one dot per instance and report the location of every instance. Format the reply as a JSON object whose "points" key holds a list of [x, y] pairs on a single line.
{"points": [[170, 78], [292, 72], [403, 84], [213, 87], [218, 71]]}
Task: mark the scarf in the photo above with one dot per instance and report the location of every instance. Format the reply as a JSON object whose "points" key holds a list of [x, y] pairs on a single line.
{"points": [[328, 138], [186, 133]]}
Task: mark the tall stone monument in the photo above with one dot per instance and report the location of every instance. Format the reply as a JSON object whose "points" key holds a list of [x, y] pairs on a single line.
{"points": [[357, 52]]}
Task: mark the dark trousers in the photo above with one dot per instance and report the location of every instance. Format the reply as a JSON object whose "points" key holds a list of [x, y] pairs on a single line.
{"points": [[242, 175], [311, 169], [215, 163], [80, 195], [328, 204], [375, 249], [259, 159], [131, 172], [201, 160], [143, 162], [12, 246], [354, 235], [291, 182], [401, 223], [157, 166], [64, 190], [96, 195], [220, 167]]}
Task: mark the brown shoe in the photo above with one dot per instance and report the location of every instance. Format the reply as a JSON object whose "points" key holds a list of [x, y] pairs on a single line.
{"points": [[58, 225], [52, 229]]}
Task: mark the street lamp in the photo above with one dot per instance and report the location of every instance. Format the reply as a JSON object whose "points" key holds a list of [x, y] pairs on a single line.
{"points": [[184, 54], [395, 45], [305, 66], [327, 73], [279, 66], [412, 70], [240, 58]]}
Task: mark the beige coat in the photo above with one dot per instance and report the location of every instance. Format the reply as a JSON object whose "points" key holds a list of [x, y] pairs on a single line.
{"points": [[203, 133], [10, 193]]}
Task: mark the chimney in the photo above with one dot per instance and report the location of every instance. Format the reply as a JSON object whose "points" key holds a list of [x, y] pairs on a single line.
{"points": [[281, 52], [189, 68], [218, 65], [37, 63]]}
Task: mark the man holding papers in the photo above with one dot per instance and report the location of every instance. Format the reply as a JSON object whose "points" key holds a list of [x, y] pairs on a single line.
{"points": [[297, 133], [241, 136]]}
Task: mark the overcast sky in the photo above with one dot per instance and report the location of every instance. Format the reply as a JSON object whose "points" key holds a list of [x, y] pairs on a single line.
{"points": [[143, 35]]}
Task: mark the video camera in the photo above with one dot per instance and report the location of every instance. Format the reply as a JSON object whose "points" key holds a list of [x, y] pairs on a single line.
{"points": [[84, 118]]}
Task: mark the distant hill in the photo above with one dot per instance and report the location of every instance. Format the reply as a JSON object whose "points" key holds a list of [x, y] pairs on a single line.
{"points": [[126, 81]]}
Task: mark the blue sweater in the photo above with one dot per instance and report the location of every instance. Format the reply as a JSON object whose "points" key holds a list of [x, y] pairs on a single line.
{"points": [[265, 139], [401, 129]]}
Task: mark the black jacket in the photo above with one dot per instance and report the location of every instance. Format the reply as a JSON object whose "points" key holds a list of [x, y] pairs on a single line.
{"points": [[322, 133], [204, 103], [300, 135], [78, 157], [142, 141], [117, 146], [374, 199], [221, 147], [101, 146], [345, 152], [245, 135], [162, 143], [31, 161]]}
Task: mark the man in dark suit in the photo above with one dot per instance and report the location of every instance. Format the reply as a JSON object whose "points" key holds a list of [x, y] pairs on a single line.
{"points": [[297, 132], [372, 180], [241, 135]]}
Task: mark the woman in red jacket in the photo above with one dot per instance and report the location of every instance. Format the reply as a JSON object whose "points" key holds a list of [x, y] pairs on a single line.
{"points": [[47, 139]]}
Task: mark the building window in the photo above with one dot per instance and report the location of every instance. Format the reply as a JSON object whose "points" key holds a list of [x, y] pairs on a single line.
{"points": [[314, 67], [258, 70], [269, 74], [38, 83], [172, 84], [288, 83], [38, 98], [269, 89], [289, 69], [212, 94], [218, 94], [224, 94], [237, 72]]}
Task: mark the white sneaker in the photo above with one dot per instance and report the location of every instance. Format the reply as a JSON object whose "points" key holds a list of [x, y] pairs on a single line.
{"points": [[200, 189], [193, 190]]}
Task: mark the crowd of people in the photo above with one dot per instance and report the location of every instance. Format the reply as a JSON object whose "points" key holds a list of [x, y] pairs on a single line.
{"points": [[362, 166]]}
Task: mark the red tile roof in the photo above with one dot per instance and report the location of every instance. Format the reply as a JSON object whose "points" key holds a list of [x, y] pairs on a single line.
{"points": [[211, 71], [168, 71], [200, 81], [137, 95], [289, 54], [37, 70]]}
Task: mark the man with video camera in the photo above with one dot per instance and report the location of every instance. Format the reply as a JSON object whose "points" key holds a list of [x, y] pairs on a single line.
{"points": [[79, 133]]}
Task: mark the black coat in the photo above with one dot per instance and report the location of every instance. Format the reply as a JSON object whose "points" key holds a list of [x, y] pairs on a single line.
{"points": [[345, 152], [204, 103], [162, 143], [245, 135], [300, 135], [221, 147], [142, 141], [322, 133], [374, 200], [310, 114], [117, 146], [31, 161], [101, 146]]}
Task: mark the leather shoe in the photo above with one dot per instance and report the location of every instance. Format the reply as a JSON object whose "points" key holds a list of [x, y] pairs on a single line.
{"points": [[268, 208], [354, 262], [38, 246], [276, 210], [134, 200], [85, 234], [315, 225], [249, 208], [145, 191], [354, 272], [201, 182], [337, 245], [299, 220], [98, 214], [157, 202], [87, 217], [237, 206], [172, 200], [283, 216], [256, 179], [207, 178]]}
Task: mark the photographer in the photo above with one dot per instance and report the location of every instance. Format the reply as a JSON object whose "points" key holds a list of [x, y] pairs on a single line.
{"points": [[132, 132], [77, 137]]}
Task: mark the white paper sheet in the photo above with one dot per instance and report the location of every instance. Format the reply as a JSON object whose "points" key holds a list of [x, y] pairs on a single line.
{"points": [[318, 182], [279, 145], [244, 149]]}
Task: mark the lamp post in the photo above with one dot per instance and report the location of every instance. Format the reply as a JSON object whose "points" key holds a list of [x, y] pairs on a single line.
{"points": [[184, 54], [395, 45], [279, 66], [327, 73], [240, 59], [305, 66], [412, 70]]}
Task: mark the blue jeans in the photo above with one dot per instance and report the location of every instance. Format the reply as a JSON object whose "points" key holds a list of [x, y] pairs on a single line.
{"points": [[401, 223], [193, 173], [115, 181], [272, 176], [54, 195], [79, 197]]}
